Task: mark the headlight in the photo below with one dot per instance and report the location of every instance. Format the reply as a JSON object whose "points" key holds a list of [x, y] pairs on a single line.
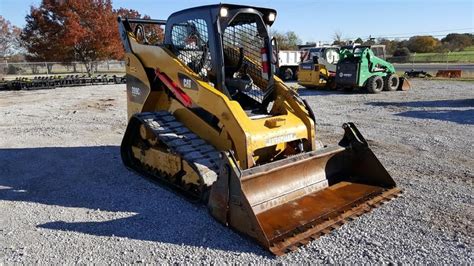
{"points": [[224, 12], [271, 17]]}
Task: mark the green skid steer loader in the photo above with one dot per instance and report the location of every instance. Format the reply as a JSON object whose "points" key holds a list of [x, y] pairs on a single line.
{"points": [[359, 67]]}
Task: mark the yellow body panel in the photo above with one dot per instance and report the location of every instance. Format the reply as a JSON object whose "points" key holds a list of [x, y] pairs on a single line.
{"points": [[236, 130], [315, 77]]}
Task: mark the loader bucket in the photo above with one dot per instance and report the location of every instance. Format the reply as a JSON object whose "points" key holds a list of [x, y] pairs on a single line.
{"points": [[287, 203], [404, 84]]}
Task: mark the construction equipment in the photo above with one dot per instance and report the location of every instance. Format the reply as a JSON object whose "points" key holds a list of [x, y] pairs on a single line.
{"points": [[318, 67], [208, 118], [449, 73], [358, 67], [417, 74]]}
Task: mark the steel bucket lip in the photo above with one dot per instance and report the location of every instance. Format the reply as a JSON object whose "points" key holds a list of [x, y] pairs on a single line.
{"points": [[281, 247], [297, 159]]}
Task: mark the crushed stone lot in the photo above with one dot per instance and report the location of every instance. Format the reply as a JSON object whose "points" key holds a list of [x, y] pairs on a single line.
{"points": [[65, 196]]}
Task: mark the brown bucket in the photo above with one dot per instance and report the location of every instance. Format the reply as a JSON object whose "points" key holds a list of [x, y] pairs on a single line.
{"points": [[449, 73], [404, 84], [286, 203]]}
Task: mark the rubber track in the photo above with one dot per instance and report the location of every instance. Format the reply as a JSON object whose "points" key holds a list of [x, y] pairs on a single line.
{"points": [[200, 155]]}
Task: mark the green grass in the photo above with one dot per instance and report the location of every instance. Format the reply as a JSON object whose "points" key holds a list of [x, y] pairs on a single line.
{"points": [[466, 56], [470, 48]]}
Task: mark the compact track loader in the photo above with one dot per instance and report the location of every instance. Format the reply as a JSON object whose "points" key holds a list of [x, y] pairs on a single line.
{"points": [[208, 118], [318, 67]]}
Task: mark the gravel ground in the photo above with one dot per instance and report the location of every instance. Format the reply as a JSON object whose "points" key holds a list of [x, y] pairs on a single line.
{"points": [[66, 198]]}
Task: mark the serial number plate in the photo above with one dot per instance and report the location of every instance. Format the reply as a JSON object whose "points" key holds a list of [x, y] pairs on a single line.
{"points": [[280, 139]]}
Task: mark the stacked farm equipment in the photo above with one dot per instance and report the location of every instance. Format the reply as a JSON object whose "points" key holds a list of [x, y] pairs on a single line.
{"points": [[417, 74], [51, 82], [209, 119]]}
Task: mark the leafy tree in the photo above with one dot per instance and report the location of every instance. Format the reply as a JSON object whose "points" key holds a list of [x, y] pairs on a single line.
{"points": [[369, 42], [127, 13], [359, 40], [390, 45], [423, 44], [457, 41], [287, 41], [82, 30], [400, 55], [402, 44], [9, 39], [401, 52]]}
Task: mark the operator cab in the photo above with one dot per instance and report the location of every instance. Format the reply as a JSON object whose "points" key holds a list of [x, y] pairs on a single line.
{"points": [[228, 46]]}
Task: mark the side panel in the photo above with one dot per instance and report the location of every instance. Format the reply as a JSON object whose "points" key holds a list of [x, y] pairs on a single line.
{"points": [[138, 85]]}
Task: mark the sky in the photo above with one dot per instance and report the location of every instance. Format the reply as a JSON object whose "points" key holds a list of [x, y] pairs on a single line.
{"points": [[318, 20]]}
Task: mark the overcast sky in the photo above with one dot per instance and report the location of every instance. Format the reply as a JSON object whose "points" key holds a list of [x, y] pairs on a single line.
{"points": [[318, 20]]}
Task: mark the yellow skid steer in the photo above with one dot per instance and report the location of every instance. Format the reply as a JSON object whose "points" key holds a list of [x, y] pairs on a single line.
{"points": [[208, 118]]}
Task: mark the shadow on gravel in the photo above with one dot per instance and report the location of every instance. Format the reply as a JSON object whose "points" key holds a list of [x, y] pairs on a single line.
{"points": [[465, 117], [450, 110], [327, 92], [121, 203], [440, 103]]}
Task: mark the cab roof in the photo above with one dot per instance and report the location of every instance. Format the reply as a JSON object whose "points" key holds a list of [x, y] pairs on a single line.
{"points": [[216, 8]]}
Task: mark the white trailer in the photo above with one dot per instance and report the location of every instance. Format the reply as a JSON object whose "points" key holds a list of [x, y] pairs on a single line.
{"points": [[288, 62]]}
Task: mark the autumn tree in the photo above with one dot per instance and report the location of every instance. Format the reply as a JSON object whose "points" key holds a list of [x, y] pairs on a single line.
{"points": [[9, 39], [457, 41], [73, 30], [423, 44]]}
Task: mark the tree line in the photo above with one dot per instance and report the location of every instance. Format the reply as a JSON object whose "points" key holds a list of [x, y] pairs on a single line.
{"points": [[424, 44]]}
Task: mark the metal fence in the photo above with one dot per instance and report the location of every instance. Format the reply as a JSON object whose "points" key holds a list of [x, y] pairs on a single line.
{"points": [[51, 68]]}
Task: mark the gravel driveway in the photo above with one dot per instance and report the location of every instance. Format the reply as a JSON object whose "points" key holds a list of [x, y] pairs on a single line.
{"points": [[65, 196]]}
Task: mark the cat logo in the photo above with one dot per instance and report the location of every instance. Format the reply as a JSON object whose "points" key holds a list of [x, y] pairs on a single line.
{"points": [[187, 83]]}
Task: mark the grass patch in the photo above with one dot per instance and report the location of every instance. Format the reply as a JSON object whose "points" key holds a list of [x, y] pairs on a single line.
{"points": [[461, 57]]}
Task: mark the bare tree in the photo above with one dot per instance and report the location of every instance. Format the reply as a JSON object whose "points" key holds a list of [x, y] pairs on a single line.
{"points": [[337, 37]]}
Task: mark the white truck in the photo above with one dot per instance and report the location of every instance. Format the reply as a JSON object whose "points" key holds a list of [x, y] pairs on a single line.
{"points": [[288, 62]]}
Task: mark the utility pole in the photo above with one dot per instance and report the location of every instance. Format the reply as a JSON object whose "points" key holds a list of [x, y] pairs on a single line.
{"points": [[447, 59]]}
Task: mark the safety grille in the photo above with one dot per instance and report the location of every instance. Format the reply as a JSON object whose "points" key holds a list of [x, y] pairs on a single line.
{"points": [[190, 44], [243, 33]]}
